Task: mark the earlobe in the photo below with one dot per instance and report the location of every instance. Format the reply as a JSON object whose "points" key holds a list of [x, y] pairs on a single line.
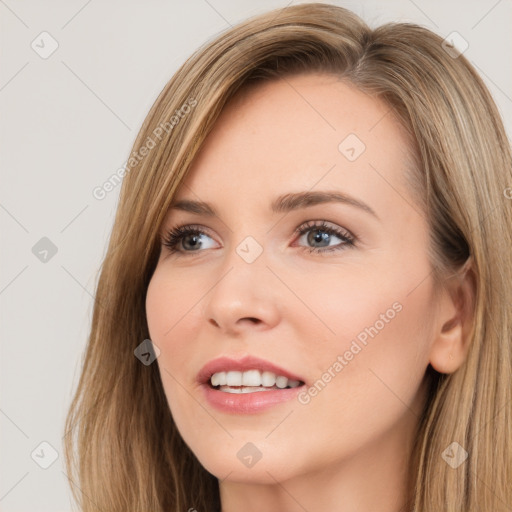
{"points": [[455, 309], [448, 350]]}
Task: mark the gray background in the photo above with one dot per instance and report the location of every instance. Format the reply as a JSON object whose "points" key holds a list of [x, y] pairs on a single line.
{"points": [[68, 123]]}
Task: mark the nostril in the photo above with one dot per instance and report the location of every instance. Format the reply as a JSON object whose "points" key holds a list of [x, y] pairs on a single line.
{"points": [[247, 318]]}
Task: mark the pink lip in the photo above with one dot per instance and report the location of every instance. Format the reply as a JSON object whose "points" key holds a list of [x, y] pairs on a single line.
{"points": [[244, 403]]}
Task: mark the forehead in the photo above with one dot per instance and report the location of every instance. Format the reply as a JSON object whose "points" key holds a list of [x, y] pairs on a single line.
{"points": [[300, 132]]}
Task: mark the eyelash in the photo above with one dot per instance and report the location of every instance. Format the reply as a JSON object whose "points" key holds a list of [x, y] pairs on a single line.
{"points": [[175, 235]]}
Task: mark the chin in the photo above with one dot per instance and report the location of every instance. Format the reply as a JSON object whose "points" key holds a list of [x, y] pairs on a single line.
{"points": [[241, 462]]}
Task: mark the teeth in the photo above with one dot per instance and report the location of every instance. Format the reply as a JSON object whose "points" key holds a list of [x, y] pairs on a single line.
{"points": [[268, 379], [242, 389], [233, 378], [218, 379], [281, 382], [252, 380]]}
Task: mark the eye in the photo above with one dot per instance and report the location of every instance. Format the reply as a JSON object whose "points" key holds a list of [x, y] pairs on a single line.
{"points": [[190, 238], [185, 239], [321, 233]]}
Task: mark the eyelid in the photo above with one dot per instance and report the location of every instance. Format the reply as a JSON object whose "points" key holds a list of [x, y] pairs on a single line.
{"points": [[175, 235], [185, 228]]}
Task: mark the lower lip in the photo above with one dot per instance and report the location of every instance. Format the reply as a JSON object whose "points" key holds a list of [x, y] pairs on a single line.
{"points": [[248, 403]]}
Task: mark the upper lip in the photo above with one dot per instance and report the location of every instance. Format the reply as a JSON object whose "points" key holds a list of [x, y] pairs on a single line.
{"points": [[225, 364]]}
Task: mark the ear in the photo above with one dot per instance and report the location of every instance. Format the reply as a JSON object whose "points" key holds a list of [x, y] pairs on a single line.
{"points": [[454, 324]]}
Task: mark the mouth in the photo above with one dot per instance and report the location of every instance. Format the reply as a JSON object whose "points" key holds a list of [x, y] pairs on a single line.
{"points": [[247, 386], [251, 381]]}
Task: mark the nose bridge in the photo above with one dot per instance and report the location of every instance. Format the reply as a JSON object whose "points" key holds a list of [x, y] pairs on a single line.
{"points": [[244, 271], [243, 289]]}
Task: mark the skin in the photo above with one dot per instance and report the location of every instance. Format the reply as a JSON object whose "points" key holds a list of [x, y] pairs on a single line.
{"points": [[347, 448]]}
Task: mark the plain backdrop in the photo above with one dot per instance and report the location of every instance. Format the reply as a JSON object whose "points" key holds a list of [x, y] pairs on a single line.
{"points": [[68, 121]]}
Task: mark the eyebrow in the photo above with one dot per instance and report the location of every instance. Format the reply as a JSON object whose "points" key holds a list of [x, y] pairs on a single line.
{"points": [[284, 203]]}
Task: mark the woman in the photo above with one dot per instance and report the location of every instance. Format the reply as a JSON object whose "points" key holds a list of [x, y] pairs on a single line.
{"points": [[341, 339]]}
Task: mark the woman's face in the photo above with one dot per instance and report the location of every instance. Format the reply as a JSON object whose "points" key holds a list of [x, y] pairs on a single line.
{"points": [[346, 306]]}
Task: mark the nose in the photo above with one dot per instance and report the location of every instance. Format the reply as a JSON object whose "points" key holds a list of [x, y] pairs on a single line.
{"points": [[244, 297]]}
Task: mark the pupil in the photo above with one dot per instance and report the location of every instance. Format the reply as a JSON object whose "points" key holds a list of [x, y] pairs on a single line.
{"points": [[319, 238], [196, 242]]}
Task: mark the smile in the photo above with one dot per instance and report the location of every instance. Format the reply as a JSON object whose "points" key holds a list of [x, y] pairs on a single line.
{"points": [[247, 385], [251, 381]]}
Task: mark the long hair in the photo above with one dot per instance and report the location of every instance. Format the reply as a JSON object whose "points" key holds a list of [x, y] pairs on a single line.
{"points": [[123, 451]]}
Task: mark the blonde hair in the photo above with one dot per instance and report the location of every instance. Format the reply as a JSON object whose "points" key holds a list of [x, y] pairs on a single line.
{"points": [[123, 451]]}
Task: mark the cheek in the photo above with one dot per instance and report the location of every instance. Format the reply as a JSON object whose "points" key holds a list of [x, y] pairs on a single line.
{"points": [[170, 316], [159, 312], [369, 373], [170, 302], [174, 312]]}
